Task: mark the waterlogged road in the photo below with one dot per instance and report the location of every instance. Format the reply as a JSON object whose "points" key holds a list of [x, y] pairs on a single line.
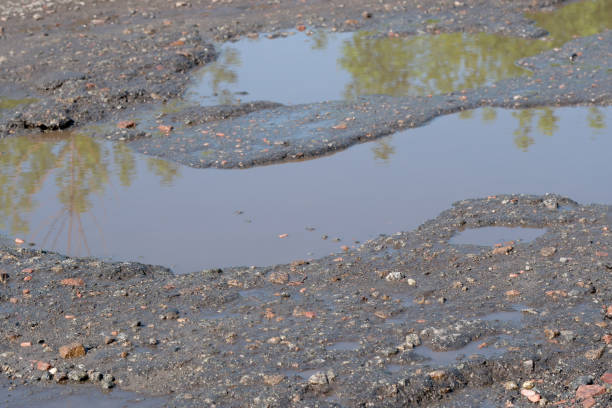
{"points": [[83, 196], [498, 301]]}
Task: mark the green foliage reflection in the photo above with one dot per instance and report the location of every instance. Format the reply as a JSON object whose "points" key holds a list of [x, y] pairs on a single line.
{"points": [[6, 103], [221, 72], [431, 64], [80, 166], [578, 19], [449, 62]]}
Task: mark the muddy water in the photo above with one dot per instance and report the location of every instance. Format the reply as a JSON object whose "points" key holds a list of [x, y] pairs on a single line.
{"points": [[83, 196], [313, 67]]}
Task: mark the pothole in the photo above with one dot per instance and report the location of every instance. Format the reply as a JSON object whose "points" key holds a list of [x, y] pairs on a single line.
{"points": [[344, 346], [488, 348], [83, 196], [58, 396], [290, 69]]}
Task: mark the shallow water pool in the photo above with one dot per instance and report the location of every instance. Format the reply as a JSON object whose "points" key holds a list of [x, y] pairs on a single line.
{"points": [[84, 196]]}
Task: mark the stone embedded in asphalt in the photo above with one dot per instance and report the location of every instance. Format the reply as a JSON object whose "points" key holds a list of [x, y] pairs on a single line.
{"points": [[73, 282], [594, 354], [412, 340], [531, 395], [394, 276], [510, 386], [60, 376], [321, 378], [42, 366], [528, 385], [280, 278], [95, 376], [548, 251], [551, 333], [567, 336], [437, 374], [273, 379], [551, 203], [504, 250], [587, 391], [77, 375], [72, 350], [171, 314]]}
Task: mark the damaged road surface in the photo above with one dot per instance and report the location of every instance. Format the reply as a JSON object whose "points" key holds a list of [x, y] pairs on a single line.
{"points": [[405, 319], [503, 300]]}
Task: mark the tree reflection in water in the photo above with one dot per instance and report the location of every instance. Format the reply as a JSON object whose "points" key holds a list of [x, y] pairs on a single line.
{"points": [[530, 122], [81, 168], [434, 64]]}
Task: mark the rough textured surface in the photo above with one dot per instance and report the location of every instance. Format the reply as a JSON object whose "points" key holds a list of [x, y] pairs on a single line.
{"points": [[98, 59], [295, 132], [335, 331], [454, 326]]}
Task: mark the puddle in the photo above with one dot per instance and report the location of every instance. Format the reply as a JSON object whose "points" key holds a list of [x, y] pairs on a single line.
{"points": [[514, 316], [7, 103], [258, 295], [449, 357], [59, 396], [394, 368], [289, 70], [489, 236], [83, 196], [344, 346], [578, 19]]}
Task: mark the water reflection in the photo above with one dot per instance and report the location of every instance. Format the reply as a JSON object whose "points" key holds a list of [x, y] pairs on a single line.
{"points": [[8, 103], [578, 19], [528, 124], [75, 194], [431, 64], [327, 66], [79, 168]]}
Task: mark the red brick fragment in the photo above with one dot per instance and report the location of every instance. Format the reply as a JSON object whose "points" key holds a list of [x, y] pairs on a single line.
{"points": [[73, 282]]}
